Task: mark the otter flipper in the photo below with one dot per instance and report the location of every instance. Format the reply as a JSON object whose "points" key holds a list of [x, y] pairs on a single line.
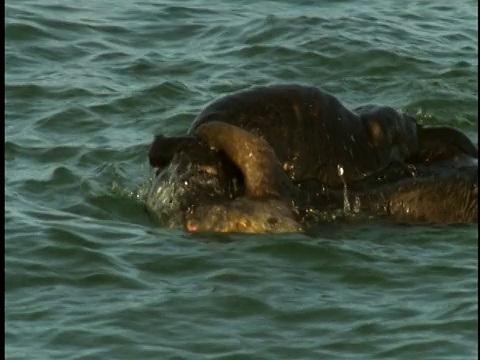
{"points": [[439, 143], [252, 155]]}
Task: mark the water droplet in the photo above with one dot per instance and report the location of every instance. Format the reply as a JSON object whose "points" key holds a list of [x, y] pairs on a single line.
{"points": [[340, 171], [346, 203], [356, 205]]}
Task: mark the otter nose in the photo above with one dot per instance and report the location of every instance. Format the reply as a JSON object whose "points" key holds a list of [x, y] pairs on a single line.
{"points": [[192, 226]]}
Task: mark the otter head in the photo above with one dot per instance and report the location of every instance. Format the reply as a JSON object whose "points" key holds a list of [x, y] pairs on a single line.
{"points": [[189, 172], [243, 215], [222, 179]]}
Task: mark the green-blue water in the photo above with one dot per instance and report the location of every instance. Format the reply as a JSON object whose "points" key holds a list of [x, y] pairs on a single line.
{"points": [[88, 275]]}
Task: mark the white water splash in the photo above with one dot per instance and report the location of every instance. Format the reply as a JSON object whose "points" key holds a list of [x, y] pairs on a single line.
{"points": [[346, 202]]}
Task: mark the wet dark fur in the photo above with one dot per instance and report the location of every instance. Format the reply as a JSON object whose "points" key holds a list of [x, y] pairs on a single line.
{"points": [[312, 132]]}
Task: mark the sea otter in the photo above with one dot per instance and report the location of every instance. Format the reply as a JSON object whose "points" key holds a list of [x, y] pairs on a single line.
{"points": [[312, 132], [281, 148]]}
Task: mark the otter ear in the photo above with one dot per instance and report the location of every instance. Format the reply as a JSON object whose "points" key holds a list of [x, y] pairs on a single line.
{"points": [[163, 148], [254, 157]]}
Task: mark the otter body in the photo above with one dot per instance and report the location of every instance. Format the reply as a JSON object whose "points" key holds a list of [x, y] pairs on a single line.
{"points": [[312, 132]]}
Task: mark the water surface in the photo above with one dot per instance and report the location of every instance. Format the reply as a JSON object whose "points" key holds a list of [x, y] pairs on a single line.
{"points": [[88, 275]]}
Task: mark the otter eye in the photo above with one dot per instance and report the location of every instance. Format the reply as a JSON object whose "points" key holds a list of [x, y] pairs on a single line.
{"points": [[272, 221]]}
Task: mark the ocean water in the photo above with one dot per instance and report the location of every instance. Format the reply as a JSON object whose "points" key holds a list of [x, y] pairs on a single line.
{"points": [[89, 275]]}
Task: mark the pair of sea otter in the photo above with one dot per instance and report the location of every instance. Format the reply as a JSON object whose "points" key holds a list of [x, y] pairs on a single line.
{"points": [[279, 158]]}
